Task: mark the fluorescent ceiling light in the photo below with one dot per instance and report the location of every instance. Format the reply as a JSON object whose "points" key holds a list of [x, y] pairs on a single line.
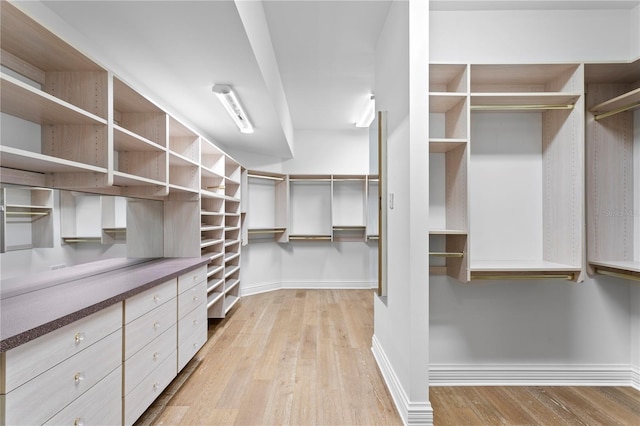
{"points": [[233, 107], [368, 112]]}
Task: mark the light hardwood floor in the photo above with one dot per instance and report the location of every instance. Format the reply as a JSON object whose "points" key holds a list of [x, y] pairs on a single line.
{"points": [[303, 357], [289, 357]]}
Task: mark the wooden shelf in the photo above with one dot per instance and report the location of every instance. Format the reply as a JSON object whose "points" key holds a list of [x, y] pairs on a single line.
{"points": [[522, 101], [20, 159], [229, 302], [628, 101], [125, 140], [31, 104], [520, 265], [214, 284], [444, 145], [231, 270], [447, 232], [214, 297], [210, 242], [443, 102], [126, 179], [230, 284]]}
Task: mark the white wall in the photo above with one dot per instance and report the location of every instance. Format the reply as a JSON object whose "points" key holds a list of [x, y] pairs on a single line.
{"points": [[566, 332], [401, 332]]}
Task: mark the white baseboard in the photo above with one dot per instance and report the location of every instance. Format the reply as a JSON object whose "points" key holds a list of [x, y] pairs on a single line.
{"points": [[532, 375], [294, 285], [635, 378], [411, 413]]}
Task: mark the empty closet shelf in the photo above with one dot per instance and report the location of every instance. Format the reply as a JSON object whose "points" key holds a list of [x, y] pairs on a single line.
{"points": [[625, 102]]}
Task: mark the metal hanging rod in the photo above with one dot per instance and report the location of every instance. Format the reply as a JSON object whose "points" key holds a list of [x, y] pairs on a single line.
{"points": [[9, 213], [618, 274], [521, 107], [445, 254], [266, 231], [522, 277], [252, 175], [617, 111], [301, 237]]}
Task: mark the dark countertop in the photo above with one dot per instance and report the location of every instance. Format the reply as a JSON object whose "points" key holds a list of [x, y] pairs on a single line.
{"points": [[42, 308]]}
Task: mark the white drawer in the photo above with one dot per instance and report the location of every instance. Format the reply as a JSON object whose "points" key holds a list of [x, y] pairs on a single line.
{"points": [[191, 278], [42, 397], [192, 344], [27, 361], [144, 302], [191, 298], [191, 321], [138, 333], [149, 389], [100, 405], [148, 358]]}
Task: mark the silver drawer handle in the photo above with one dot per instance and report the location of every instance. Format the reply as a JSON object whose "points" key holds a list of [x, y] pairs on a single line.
{"points": [[156, 298], [195, 322], [78, 337], [78, 377], [195, 298], [156, 385], [78, 421], [156, 355], [156, 324]]}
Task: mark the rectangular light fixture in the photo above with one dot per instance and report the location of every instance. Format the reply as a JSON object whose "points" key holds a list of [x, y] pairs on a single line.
{"points": [[368, 112], [234, 108]]}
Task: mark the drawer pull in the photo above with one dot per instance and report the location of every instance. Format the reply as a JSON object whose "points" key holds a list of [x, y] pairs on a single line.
{"points": [[78, 377], [195, 298], [156, 324], [195, 322], [156, 385], [156, 355], [78, 421], [156, 298], [195, 277], [78, 338], [195, 346]]}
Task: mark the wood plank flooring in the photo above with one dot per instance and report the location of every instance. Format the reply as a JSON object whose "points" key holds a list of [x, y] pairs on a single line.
{"points": [[303, 357], [289, 357], [535, 405]]}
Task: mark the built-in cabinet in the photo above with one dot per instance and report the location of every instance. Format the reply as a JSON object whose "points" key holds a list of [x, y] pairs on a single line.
{"points": [[108, 367], [613, 169], [506, 171], [286, 208]]}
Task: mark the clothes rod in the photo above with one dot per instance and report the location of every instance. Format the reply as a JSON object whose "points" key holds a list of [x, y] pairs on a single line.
{"points": [[266, 231], [308, 180], [617, 111], [445, 254], [520, 107], [309, 238], [522, 277], [618, 274], [27, 213], [251, 175]]}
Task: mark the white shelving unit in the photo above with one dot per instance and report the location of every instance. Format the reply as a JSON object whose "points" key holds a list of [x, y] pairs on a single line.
{"points": [[613, 172], [448, 166], [268, 194], [310, 208], [506, 171]]}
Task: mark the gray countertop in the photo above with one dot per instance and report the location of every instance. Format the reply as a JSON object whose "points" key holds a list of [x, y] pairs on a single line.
{"points": [[48, 301]]}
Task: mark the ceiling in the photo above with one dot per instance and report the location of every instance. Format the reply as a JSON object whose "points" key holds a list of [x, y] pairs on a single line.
{"points": [[310, 67], [295, 64]]}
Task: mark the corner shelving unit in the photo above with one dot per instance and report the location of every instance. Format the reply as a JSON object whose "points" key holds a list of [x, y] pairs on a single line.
{"points": [[26, 218], [45, 92], [526, 171], [268, 194], [448, 166], [613, 169], [232, 232]]}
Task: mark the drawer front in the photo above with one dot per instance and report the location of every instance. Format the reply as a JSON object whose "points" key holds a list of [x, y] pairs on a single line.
{"points": [[149, 389], [27, 361], [100, 405], [41, 398], [191, 345], [140, 304], [191, 321], [148, 358], [138, 333], [191, 278], [191, 298]]}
